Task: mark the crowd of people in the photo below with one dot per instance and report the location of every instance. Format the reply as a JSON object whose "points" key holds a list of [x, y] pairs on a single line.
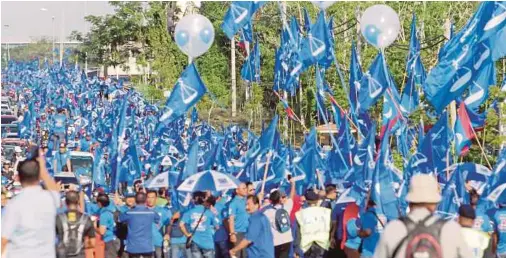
{"points": [[144, 223]]}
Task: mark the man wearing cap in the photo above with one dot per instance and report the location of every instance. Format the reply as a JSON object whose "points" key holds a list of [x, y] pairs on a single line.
{"points": [[423, 198], [85, 143], [479, 242], [313, 228]]}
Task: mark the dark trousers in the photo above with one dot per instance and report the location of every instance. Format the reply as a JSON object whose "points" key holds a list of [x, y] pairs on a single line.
{"points": [[240, 237], [336, 252], [221, 249], [143, 255], [315, 252], [112, 248], [282, 251]]}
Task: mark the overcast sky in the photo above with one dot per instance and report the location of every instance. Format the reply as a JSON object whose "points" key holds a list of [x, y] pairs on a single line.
{"points": [[26, 20]]}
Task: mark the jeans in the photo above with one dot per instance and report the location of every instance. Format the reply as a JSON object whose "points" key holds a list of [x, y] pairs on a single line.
{"points": [[198, 252], [282, 251], [112, 248], [179, 250], [221, 249]]}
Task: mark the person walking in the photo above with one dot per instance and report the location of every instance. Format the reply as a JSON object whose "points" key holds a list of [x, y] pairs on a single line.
{"points": [[107, 226], [313, 228], [258, 240], [370, 231], [279, 219], [478, 242], [238, 218], [140, 220], [28, 222], [159, 228], [74, 229], [499, 236], [202, 223], [405, 237]]}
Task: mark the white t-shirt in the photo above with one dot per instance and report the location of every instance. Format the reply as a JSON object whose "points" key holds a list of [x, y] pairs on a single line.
{"points": [[29, 223], [270, 212]]}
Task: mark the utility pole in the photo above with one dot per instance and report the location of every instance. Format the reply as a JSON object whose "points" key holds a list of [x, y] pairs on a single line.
{"points": [[285, 94], [301, 95], [52, 50], [232, 70], [6, 26]]}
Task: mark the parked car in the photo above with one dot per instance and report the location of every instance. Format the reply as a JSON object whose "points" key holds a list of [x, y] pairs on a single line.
{"points": [[8, 119]]}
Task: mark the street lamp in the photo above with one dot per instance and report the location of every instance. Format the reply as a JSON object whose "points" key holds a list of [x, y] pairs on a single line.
{"points": [[43, 9], [6, 26]]}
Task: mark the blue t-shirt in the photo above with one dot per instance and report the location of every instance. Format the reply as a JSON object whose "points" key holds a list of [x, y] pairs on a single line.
{"points": [[370, 221], [482, 221], [260, 235], [61, 160], [60, 122], [203, 236], [352, 238], [159, 229], [499, 220], [107, 220], [140, 221], [221, 234], [84, 145], [237, 208], [337, 215], [91, 208], [176, 235]]}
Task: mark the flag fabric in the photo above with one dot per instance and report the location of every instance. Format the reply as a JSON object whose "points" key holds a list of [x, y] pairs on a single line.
{"points": [[464, 132], [415, 73], [355, 77], [464, 55], [478, 91], [238, 15], [187, 91], [373, 83], [250, 70]]}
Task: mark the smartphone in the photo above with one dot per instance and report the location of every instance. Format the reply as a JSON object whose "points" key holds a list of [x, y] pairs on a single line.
{"points": [[289, 177]]}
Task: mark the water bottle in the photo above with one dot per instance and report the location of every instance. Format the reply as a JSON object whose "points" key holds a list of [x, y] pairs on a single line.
{"points": [[166, 248]]}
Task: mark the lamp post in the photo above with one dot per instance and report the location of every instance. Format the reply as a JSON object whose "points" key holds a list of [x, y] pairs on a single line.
{"points": [[6, 26], [43, 9]]}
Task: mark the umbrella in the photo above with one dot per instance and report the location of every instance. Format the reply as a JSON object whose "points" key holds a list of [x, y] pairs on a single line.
{"points": [[160, 180], [209, 180]]}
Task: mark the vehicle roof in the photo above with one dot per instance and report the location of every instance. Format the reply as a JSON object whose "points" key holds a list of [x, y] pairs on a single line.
{"points": [[12, 141], [81, 154], [64, 174]]}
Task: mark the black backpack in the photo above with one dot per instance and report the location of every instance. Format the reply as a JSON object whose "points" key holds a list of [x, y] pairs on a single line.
{"points": [[422, 241], [71, 243], [121, 227]]}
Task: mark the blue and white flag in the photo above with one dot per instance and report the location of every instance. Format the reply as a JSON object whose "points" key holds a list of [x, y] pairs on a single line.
{"points": [[373, 83], [189, 89], [250, 71], [238, 15]]}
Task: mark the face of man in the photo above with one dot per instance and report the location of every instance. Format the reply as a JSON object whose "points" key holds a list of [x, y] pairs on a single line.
{"points": [[62, 149], [130, 201], [251, 207], [151, 200], [332, 195], [242, 190], [251, 189]]}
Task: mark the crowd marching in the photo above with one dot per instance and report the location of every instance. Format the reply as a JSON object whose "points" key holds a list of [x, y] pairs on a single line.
{"points": [[91, 169]]}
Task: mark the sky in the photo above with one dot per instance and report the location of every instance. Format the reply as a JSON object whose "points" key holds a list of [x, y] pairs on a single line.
{"points": [[32, 20]]}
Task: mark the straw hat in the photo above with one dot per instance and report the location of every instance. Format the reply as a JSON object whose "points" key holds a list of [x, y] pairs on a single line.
{"points": [[423, 189]]}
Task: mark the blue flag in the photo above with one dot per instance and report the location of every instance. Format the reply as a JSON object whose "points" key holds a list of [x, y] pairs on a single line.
{"points": [[464, 132], [373, 83], [355, 77], [189, 89], [250, 71], [464, 56], [239, 14], [478, 91]]}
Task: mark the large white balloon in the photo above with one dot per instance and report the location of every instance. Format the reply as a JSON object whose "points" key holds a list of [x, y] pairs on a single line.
{"points": [[323, 4], [194, 35], [380, 25]]}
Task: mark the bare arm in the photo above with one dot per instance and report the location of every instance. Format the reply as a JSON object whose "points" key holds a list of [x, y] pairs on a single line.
{"points": [[69, 165], [183, 229], [44, 175], [81, 201], [243, 244], [89, 243], [292, 188], [4, 245]]}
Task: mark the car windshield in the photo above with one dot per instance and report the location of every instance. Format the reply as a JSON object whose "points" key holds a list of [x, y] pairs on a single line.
{"points": [[11, 128], [82, 165], [7, 151], [8, 120]]}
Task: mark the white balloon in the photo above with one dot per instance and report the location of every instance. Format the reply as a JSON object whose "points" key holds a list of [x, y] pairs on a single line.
{"points": [[194, 35], [380, 25], [323, 4]]}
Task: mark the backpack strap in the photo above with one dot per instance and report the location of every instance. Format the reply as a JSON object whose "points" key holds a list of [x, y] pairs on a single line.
{"points": [[65, 227], [410, 227], [80, 231]]}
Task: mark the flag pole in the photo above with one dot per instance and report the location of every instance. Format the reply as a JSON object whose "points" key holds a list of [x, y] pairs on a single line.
{"points": [[265, 172], [481, 148]]}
